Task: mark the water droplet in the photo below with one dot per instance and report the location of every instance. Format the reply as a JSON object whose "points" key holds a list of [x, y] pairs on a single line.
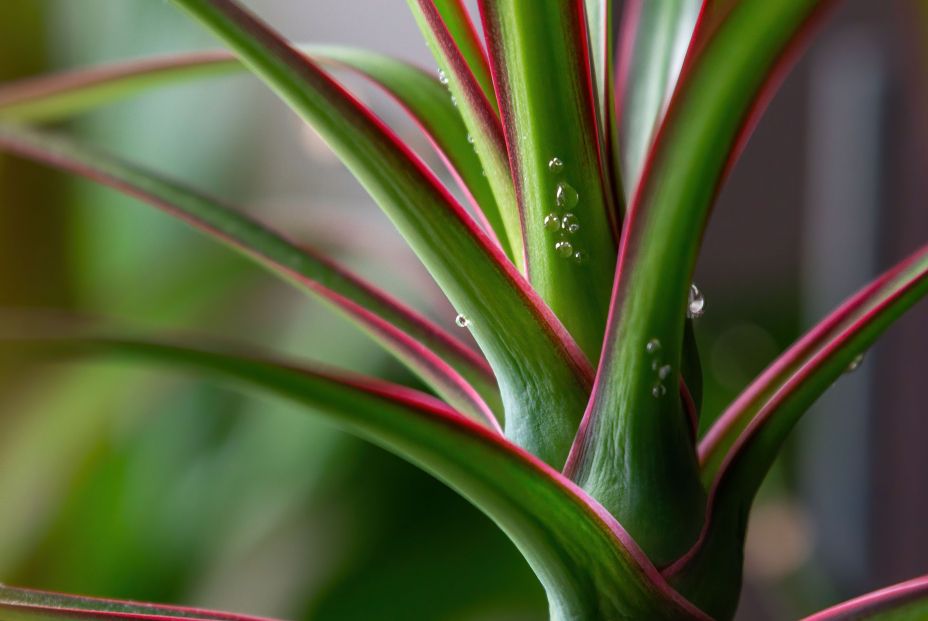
{"points": [[581, 257], [443, 77], [462, 321], [658, 390], [855, 363], [555, 165], [665, 371], [564, 248], [454, 101], [553, 222], [470, 138], [566, 196], [570, 223], [653, 346], [696, 305]]}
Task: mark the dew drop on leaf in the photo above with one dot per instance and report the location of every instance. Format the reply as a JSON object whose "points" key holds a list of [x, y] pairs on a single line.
{"points": [[566, 196], [462, 321], [570, 223], [581, 257], [658, 390], [855, 363], [653, 346], [553, 222], [555, 165], [564, 249], [470, 138], [665, 371], [443, 77], [696, 305], [454, 101]]}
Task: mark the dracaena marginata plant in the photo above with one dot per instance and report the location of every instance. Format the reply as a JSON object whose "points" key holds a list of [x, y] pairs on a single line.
{"points": [[588, 165]]}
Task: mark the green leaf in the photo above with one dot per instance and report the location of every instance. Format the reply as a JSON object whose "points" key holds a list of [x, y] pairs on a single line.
{"points": [[53, 98], [907, 601], [739, 450], [634, 452], [543, 377], [449, 367], [446, 26], [656, 36], [541, 66], [28, 605], [586, 562]]}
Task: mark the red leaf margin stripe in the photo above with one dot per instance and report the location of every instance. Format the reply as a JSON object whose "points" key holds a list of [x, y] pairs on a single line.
{"points": [[883, 600], [415, 353], [30, 602]]}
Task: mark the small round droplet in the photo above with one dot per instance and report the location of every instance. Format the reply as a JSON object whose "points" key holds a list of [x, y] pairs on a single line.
{"points": [[564, 249], [454, 101], [658, 390], [696, 305], [553, 222], [570, 224], [653, 346], [566, 196], [665, 371], [443, 77], [470, 138], [555, 165], [462, 321], [855, 363], [581, 257]]}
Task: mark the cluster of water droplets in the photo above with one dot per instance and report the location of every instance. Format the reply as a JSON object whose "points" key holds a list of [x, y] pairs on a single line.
{"points": [[446, 82], [563, 223], [662, 371]]}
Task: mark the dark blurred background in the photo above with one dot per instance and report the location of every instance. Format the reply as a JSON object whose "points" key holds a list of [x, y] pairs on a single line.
{"points": [[124, 482]]}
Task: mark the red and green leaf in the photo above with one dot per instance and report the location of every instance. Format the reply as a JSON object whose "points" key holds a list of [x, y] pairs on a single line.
{"points": [[449, 32], [634, 452], [739, 450], [29, 605], [907, 601], [56, 97], [453, 370], [583, 557], [543, 77]]}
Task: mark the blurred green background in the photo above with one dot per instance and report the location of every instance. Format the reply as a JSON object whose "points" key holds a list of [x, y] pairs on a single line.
{"points": [[132, 483]]}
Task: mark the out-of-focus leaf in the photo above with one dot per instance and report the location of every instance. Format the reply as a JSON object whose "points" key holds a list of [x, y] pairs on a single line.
{"points": [[907, 601], [445, 24], [739, 450], [453, 370], [585, 560], [28, 605], [544, 84], [655, 38], [56, 97], [543, 375], [634, 452]]}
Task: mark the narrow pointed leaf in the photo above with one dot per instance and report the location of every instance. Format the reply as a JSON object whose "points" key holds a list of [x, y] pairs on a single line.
{"points": [[907, 601], [588, 565], [445, 25], [454, 371], [634, 452], [543, 376], [542, 74], [763, 416], [57, 97], [655, 37], [29, 605]]}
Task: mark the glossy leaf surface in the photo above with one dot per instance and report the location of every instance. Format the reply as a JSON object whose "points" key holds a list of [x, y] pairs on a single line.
{"points": [[587, 563], [543, 376]]}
